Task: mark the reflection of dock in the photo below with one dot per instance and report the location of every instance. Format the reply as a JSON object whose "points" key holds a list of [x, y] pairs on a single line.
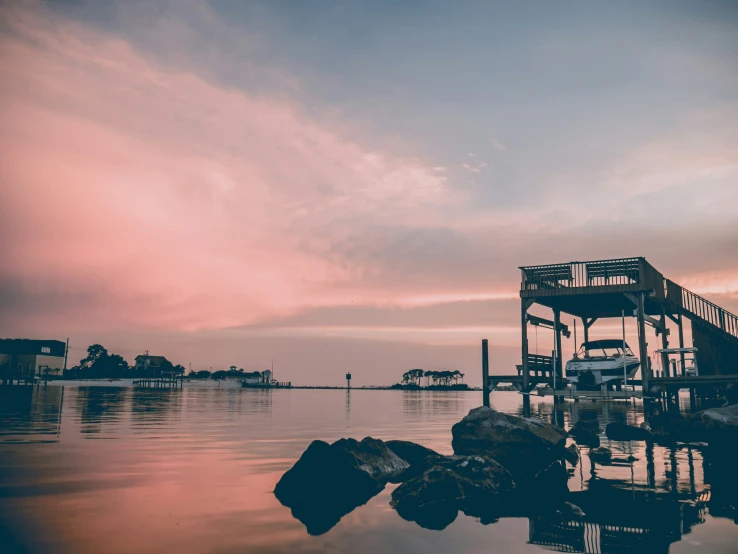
{"points": [[619, 520]]}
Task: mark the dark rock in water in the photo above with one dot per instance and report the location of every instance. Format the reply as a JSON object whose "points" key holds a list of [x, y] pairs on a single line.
{"points": [[570, 511], [468, 483], [586, 432], [721, 419], [524, 446], [374, 457], [329, 481], [622, 432], [721, 431], [588, 425], [572, 454], [721, 428], [601, 455], [672, 426], [419, 457], [547, 485]]}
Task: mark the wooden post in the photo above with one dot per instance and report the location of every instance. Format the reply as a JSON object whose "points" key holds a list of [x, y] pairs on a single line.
{"points": [[586, 330], [664, 344], [681, 341], [557, 337], [642, 346], [524, 348], [485, 373]]}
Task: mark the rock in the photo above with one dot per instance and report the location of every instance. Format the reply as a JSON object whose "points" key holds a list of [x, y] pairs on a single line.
{"points": [[601, 455], [671, 426], [547, 485], [329, 481], [468, 483], [374, 457], [721, 419], [621, 432], [572, 454], [586, 432], [570, 511], [721, 431], [419, 457], [524, 446]]}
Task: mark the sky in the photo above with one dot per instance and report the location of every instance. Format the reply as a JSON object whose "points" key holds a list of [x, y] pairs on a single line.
{"points": [[352, 186]]}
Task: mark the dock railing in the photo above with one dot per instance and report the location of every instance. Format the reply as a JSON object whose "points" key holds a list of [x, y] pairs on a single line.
{"points": [[599, 273], [697, 306]]}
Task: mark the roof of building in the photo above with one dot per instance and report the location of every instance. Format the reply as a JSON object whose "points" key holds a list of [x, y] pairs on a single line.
{"points": [[32, 347], [158, 360]]}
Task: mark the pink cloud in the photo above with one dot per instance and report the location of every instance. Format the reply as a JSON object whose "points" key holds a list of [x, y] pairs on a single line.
{"points": [[170, 201]]}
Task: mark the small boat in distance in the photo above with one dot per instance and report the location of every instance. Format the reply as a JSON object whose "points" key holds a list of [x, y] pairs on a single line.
{"points": [[601, 362]]}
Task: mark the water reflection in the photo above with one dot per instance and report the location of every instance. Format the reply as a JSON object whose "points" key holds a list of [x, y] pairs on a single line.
{"points": [[99, 407], [30, 414], [194, 470], [427, 403], [619, 519]]}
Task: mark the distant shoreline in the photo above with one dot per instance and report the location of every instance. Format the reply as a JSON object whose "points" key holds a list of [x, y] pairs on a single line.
{"points": [[236, 383]]}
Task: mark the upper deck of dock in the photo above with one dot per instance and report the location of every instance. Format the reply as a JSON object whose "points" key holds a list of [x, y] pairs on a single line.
{"points": [[607, 288]]}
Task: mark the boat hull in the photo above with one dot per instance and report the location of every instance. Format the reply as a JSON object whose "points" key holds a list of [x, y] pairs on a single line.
{"points": [[596, 372]]}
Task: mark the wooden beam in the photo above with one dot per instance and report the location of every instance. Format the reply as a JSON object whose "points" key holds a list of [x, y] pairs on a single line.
{"points": [[588, 324], [557, 337], [664, 344], [681, 340], [485, 373], [524, 305], [642, 345]]}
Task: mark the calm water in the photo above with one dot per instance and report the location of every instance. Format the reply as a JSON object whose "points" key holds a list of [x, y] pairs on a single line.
{"points": [[108, 469]]}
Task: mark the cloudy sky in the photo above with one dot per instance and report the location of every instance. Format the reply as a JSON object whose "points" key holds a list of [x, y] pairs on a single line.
{"points": [[351, 185]]}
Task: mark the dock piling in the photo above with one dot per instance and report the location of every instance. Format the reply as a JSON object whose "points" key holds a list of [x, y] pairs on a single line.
{"points": [[485, 373]]}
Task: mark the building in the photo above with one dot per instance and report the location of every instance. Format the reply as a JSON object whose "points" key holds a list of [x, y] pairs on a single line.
{"points": [[26, 358], [253, 378], [154, 364]]}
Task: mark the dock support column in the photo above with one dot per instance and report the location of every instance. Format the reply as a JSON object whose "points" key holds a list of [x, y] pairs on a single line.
{"points": [[642, 346], [485, 373], [664, 345], [586, 332], [524, 344], [557, 334], [681, 341]]}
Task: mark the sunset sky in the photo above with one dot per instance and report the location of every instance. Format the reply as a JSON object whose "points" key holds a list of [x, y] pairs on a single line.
{"points": [[351, 185]]}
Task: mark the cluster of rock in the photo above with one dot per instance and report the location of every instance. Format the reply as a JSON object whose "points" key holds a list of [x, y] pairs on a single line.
{"points": [[502, 465], [499, 462]]}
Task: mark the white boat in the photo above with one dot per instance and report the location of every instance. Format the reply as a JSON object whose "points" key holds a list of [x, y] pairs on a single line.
{"points": [[601, 362]]}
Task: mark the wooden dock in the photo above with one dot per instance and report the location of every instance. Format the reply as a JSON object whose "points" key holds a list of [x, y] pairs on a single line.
{"points": [[163, 381], [595, 290]]}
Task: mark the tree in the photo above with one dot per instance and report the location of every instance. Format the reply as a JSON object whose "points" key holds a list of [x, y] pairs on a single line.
{"points": [[100, 364], [95, 353], [412, 377]]}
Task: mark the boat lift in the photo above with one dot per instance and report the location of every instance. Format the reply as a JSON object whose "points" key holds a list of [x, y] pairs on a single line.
{"points": [[686, 366]]}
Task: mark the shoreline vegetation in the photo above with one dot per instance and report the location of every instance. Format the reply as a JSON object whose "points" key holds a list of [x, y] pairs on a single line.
{"points": [[229, 382], [101, 367]]}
